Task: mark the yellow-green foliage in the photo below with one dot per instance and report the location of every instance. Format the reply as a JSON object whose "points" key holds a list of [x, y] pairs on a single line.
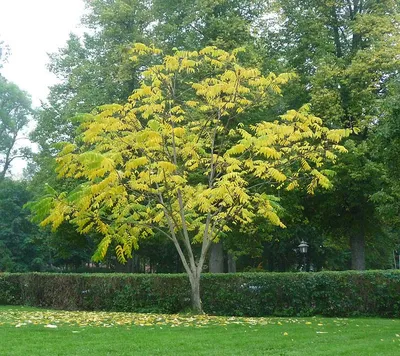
{"points": [[137, 159]]}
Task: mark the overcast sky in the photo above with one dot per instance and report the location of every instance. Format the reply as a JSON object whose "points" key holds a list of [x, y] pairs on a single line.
{"points": [[33, 28]]}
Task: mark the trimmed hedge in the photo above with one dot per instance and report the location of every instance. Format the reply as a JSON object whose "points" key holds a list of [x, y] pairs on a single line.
{"points": [[371, 293], [112, 292]]}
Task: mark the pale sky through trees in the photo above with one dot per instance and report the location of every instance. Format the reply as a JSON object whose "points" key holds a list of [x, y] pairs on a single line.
{"points": [[32, 29]]}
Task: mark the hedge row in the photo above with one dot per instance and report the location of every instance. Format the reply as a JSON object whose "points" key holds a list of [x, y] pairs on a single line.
{"points": [[372, 293]]}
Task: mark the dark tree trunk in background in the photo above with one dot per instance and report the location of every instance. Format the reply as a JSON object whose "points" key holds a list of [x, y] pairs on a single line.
{"points": [[357, 244], [216, 263], [132, 265], [231, 264]]}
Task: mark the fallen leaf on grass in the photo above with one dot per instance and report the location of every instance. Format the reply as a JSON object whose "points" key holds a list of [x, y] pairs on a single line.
{"points": [[50, 326]]}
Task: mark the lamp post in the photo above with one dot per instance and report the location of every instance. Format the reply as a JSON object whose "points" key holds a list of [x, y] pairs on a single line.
{"points": [[303, 247]]}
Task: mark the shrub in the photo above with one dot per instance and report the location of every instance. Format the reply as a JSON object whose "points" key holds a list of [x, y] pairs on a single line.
{"points": [[10, 289], [371, 293]]}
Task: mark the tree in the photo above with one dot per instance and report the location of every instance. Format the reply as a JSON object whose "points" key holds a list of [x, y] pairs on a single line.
{"points": [[386, 149], [140, 162], [345, 52], [193, 24], [95, 69], [18, 248], [15, 108]]}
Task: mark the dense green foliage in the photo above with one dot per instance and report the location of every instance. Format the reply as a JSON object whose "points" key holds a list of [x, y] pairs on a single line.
{"points": [[340, 51], [19, 250], [24, 247], [373, 293]]}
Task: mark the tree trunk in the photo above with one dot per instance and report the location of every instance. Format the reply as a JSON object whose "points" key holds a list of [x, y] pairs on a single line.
{"points": [[216, 264], [8, 157], [131, 265], [336, 35], [231, 264], [136, 263], [195, 297], [357, 244]]}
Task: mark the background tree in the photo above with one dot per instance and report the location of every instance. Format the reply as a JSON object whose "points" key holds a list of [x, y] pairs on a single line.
{"points": [[19, 247], [345, 53], [15, 109], [137, 160], [386, 150]]}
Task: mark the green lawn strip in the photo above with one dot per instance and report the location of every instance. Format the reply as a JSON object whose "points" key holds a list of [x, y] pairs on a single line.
{"points": [[190, 335]]}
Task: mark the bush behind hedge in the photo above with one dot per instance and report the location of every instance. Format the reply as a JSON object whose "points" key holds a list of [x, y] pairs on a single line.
{"points": [[371, 293]]}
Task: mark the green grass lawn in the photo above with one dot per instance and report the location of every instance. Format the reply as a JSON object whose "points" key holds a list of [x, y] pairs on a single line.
{"points": [[31, 331]]}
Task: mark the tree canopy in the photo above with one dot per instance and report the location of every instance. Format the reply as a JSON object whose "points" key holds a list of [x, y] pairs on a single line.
{"points": [[346, 55], [176, 159]]}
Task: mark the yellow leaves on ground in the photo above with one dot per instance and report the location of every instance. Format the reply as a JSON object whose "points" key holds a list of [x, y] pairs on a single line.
{"points": [[20, 318]]}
